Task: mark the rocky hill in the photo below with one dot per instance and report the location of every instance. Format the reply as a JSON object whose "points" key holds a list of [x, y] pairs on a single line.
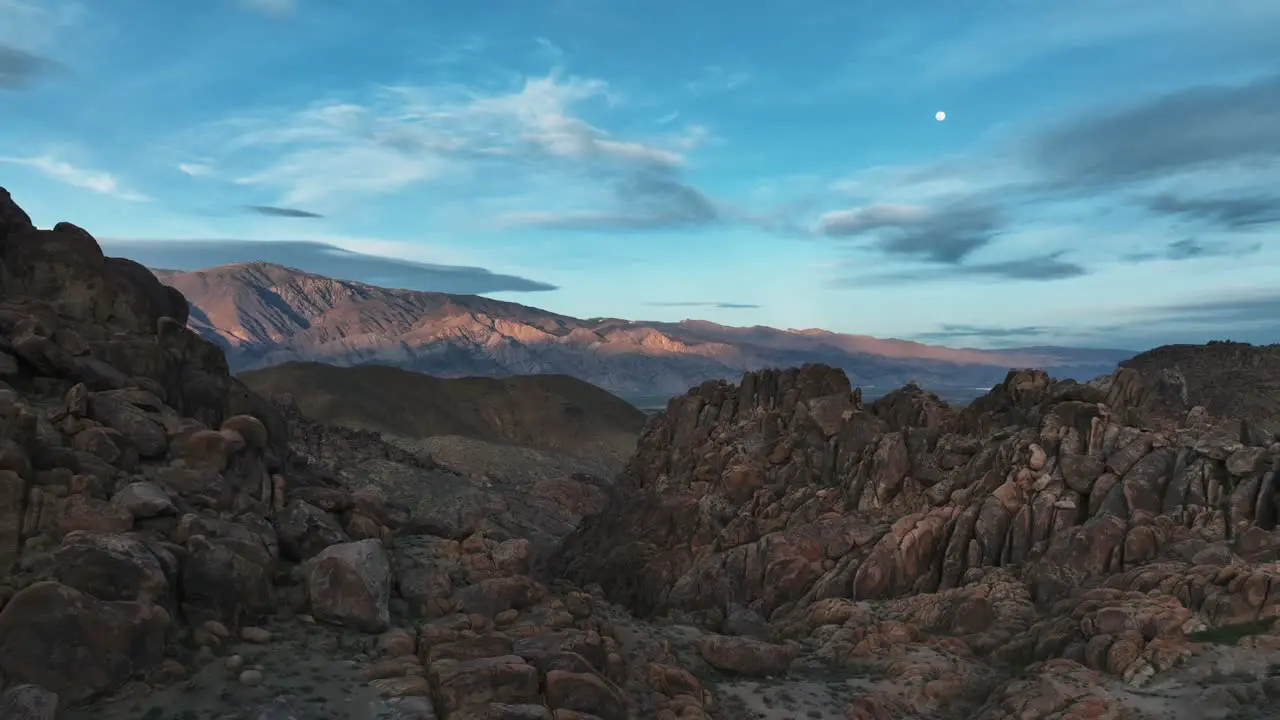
{"points": [[546, 412], [263, 315], [1228, 378], [173, 546], [1054, 550]]}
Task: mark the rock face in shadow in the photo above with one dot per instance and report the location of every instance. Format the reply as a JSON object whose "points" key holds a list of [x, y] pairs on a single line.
{"points": [[173, 544], [554, 413], [1230, 379]]}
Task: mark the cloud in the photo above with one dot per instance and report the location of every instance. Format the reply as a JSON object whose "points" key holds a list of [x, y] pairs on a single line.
{"points": [[1244, 316], [32, 28], [716, 305], [195, 169], [273, 211], [1251, 316], [845, 223], [940, 49], [1207, 155], [321, 259], [717, 79], [278, 8], [984, 332], [1192, 249], [945, 236], [1233, 213], [1178, 132], [100, 182], [387, 139], [20, 69], [1047, 266], [645, 200]]}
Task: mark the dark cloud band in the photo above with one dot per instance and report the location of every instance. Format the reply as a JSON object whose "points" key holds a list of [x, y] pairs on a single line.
{"points": [[716, 305], [321, 259], [19, 68], [272, 211]]}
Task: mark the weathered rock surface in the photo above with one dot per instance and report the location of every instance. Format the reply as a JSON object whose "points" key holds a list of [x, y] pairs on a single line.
{"points": [[168, 539], [351, 584], [1098, 525]]}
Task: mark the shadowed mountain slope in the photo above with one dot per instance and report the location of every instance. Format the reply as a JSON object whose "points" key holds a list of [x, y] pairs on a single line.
{"points": [[547, 412]]}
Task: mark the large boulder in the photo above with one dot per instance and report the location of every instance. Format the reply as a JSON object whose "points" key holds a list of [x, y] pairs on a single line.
{"points": [[350, 584], [65, 640], [13, 219], [228, 572], [111, 567], [305, 530], [65, 267]]}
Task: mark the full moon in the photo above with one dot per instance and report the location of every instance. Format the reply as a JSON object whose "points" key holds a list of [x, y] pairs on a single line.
{"points": [[940, 116]]}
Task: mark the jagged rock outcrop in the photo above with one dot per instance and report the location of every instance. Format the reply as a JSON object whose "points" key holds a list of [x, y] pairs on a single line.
{"points": [[1048, 521]]}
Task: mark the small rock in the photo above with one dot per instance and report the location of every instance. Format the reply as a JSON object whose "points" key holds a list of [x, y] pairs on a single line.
{"points": [[167, 672], [397, 642], [255, 635], [406, 686], [28, 702]]}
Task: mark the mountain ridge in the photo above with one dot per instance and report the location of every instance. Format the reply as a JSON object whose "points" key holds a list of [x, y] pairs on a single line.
{"points": [[263, 314]]}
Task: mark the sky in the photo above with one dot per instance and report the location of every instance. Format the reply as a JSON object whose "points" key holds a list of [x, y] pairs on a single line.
{"points": [[1107, 175]]}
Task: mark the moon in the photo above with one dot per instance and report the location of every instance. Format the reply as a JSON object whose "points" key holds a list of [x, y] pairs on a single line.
{"points": [[940, 116]]}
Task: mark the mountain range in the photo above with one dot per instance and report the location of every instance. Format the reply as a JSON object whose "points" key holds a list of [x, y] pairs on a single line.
{"points": [[263, 314]]}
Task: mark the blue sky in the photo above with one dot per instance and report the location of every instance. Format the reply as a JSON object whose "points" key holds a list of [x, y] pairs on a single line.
{"points": [[1108, 172]]}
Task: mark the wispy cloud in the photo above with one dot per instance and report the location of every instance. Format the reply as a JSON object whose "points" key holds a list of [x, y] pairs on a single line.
{"points": [[272, 211], [321, 259], [1233, 213], [1048, 266], [645, 200], [1195, 139], [395, 137], [947, 235], [20, 69], [948, 332], [195, 169], [932, 49], [97, 181], [1193, 249], [715, 305], [1165, 140], [36, 26], [1172, 134], [1248, 316]]}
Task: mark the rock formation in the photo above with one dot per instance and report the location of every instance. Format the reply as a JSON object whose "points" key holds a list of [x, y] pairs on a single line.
{"points": [[1077, 536], [165, 550]]}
